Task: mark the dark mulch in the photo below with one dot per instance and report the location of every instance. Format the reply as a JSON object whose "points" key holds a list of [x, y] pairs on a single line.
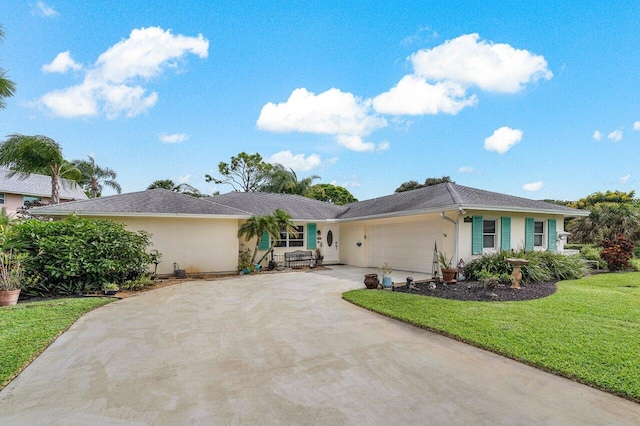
{"points": [[460, 291]]}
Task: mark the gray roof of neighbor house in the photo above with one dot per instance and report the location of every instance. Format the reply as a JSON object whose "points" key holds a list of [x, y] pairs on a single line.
{"points": [[264, 203], [447, 196], [154, 202], [38, 186]]}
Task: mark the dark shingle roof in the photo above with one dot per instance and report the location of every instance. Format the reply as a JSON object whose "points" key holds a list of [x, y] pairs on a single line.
{"points": [[264, 203], [447, 196], [38, 186], [153, 201]]}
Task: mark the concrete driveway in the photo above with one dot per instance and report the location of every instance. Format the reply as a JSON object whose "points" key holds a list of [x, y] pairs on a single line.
{"points": [[282, 349]]}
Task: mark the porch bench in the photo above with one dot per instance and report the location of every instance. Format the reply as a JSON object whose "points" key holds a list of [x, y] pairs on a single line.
{"points": [[298, 258]]}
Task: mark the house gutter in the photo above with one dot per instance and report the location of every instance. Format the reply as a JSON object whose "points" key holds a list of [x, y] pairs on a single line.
{"points": [[457, 234]]}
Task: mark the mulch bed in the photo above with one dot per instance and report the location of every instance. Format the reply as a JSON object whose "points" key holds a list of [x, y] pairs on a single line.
{"points": [[460, 291]]}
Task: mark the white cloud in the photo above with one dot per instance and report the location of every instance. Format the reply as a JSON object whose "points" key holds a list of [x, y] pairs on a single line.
{"points": [[615, 136], [493, 67], [173, 138], [466, 169], [624, 179], [114, 84], [184, 179], [297, 162], [332, 160], [347, 184], [331, 112], [44, 10], [415, 96], [355, 143], [62, 63], [597, 136], [503, 139], [636, 125], [383, 146], [533, 186]]}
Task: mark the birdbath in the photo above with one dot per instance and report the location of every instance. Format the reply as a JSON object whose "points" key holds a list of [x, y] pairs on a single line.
{"points": [[516, 275]]}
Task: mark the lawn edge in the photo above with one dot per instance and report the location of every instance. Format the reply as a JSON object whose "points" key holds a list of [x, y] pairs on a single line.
{"points": [[492, 350]]}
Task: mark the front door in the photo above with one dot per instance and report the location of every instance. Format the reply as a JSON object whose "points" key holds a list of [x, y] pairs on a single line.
{"points": [[330, 249]]}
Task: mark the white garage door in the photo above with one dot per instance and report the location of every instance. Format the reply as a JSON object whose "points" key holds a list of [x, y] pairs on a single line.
{"points": [[404, 246]]}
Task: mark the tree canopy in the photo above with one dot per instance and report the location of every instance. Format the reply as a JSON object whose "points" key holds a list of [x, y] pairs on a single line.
{"points": [[94, 177], [605, 221], [246, 172], [37, 154], [285, 181], [183, 188], [604, 197], [7, 87], [331, 193], [414, 184]]}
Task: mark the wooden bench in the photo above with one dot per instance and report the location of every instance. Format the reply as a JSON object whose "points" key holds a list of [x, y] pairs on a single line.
{"points": [[298, 258]]}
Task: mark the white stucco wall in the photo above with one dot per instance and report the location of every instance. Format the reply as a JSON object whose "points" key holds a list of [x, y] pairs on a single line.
{"points": [[196, 245], [352, 233]]}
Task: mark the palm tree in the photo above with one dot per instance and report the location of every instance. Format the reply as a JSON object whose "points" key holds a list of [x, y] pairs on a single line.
{"points": [[37, 154], [605, 221], [94, 177], [283, 181], [285, 225], [7, 87], [183, 188], [255, 226]]}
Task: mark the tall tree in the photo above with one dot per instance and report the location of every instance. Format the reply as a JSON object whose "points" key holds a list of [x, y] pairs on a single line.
{"points": [[246, 172], [285, 181], [37, 154], [94, 177], [7, 87], [605, 221], [333, 194], [413, 184], [285, 225], [255, 226], [619, 197], [183, 188]]}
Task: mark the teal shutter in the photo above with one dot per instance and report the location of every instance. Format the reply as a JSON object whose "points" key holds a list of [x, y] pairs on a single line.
{"points": [[505, 233], [528, 233], [476, 235], [264, 241], [311, 235], [553, 235]]}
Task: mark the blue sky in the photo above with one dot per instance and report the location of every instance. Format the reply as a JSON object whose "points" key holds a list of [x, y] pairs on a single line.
{"points": [[535, 99]]}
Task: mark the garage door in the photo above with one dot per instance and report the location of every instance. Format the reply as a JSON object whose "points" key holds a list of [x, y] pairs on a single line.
{"points": [[404, 246]]}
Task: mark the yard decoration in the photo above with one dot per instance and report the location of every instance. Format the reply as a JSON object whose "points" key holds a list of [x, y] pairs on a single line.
{"points": [[385, 271], [371, 281], [516, 275], [448, 271]]}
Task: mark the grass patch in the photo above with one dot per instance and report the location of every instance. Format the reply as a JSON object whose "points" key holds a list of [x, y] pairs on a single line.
{"points": [[589, 330], [28, 328]]}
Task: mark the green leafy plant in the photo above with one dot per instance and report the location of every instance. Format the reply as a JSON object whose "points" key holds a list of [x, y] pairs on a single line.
{"points": [[110, 287], [138, 284], [73, 255], [445, 263], [385, 270], [11, 271], [592, 253], [244, 259]]}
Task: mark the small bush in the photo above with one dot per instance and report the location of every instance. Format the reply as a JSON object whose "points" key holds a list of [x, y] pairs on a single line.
{"points": [[589, 252], [74, 255], [542, 266], [617, 251], [138, 284]]}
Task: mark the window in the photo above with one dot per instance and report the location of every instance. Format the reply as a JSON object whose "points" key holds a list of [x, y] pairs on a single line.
{"points": [[293, 239], [489, 234], [28, 198], [538, 233], [1, 198]]}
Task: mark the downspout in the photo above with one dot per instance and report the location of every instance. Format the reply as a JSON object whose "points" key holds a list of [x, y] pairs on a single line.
{"points": [[447, 218]]}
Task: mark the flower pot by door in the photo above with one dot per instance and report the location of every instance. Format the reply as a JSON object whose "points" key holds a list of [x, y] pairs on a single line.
{"points": [[9, 297]]}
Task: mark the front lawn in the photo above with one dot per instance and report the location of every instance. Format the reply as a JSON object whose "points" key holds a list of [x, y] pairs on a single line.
{"points": [[28, 328], [589, 330]]}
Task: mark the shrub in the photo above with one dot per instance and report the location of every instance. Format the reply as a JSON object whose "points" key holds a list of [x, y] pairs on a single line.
{"points": [[74, 255], [542, 266], [589, 252], [617, 251], [138, 284]]}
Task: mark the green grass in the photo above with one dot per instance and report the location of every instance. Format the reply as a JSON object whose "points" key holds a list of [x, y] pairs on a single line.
{"points": [[589, 330], [27, 329]]}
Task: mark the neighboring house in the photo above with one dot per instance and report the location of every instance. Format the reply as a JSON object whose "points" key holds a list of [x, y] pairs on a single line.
{"points": [[200, 235], [15, 191]]}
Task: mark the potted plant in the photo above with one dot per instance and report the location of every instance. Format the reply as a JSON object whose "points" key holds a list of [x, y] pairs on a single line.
{"points": [[110, 289], [386, 270], [11, 273], [446, 266], [244, 261], [319, 257]]}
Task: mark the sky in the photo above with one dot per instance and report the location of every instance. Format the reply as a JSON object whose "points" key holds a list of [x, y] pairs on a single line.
{"points": [[533, 99]]}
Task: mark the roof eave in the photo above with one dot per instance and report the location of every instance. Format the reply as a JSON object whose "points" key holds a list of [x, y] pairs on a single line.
{"points": [[575, 213], [137, 214]]}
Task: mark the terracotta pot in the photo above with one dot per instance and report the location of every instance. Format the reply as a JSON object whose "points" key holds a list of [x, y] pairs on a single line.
{"points": [[448, 275], [9, 297], [371, 281]]}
